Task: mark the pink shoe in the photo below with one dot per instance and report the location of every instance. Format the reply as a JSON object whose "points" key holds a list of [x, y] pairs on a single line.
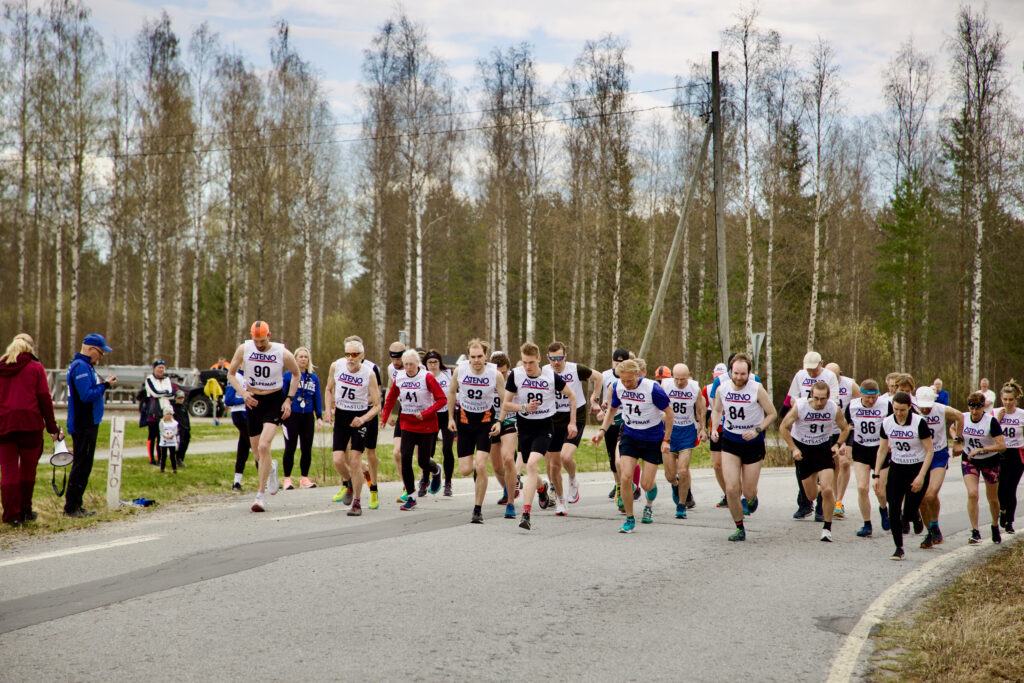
{"points": [[306, 483], [287, 485]]}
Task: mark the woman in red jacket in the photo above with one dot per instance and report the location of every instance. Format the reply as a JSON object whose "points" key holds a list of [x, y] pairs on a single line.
{"points": [[25, 409]]}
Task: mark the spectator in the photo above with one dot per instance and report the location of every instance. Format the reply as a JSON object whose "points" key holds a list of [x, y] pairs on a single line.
{"points": [[941, 395], [215, 393], [25, 410], [184, 425], [221, 364], [307, 409], [159, 391], [990, 396], [85, 412], [169, 440], [236, 404]]}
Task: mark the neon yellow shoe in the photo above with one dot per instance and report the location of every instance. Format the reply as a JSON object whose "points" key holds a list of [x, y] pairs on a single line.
{"points": [[340, 495], [840, 510], [374, 500]]}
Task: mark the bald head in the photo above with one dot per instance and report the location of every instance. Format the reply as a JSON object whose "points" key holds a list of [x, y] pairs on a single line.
{"points": [[681, 374], [833, 368], [397, 347]]}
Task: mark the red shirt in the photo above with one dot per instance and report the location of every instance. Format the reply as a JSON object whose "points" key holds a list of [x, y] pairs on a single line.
{"points": [[409, 423], [25, 403]]}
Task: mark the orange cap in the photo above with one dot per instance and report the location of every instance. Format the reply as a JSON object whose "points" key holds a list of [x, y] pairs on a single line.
{"points": [[662, 372], [259, 330]]}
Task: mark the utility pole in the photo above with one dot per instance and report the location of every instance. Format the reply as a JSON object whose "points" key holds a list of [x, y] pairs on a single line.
{"points": [[723, 280]]}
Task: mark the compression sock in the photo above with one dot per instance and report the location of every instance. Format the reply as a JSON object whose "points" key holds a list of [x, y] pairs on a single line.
{"points": [[526, 509], [366, 476], [827, 525], [238, 478]]}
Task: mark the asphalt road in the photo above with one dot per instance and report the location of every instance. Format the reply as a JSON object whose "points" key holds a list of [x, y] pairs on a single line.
{"points": [[215, 592]]}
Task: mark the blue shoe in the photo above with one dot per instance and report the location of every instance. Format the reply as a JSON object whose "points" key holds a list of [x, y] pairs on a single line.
{"points": [[884, 512], [648, 516], [675, 494], [435, 481], [865, 531], [746, 506], [819, 517], [510, 511], [752, 505], [680, 511], [409, 504], [738, 535], [803, 511], [628, 527]]}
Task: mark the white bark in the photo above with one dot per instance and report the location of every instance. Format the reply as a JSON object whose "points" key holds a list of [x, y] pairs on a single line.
{"points": [[769, 312], [979, 234], [531, 302], [418, 251]]}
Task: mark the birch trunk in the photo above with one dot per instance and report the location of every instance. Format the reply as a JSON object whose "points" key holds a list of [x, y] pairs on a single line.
{"points": [[769, 304], [179, 287], [684, 313], [502, 284], [531, 303], [618, 278], [58, 326], [816, 273], [306, 299], [379, 298], [418, 250], [979, 233], [593, 320]]}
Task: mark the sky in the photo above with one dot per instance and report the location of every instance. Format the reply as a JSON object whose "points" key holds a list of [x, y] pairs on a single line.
{"points": [[664, 37]]}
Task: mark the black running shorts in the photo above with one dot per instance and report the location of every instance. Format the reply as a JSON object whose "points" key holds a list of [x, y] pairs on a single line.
{"points": [[267, 411]]}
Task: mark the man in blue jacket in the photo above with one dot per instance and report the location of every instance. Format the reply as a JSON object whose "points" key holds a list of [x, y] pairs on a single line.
{"points": [[85, 412]]}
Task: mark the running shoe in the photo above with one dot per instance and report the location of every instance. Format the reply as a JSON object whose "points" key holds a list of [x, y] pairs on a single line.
{"points": [[628, 526], [826, 535], [636, 492], [340, 495], [975, 538], [510, 511], [752, 505], [1009, 528], [236, 487], [935, 533], [422, 489], [560, 506], [355, 510], [519, 484], [409, 504], [307, 483], [574, 491], [504, 496], [906, 528], [260, 504], [648, 515], [996, 538], [287, 484], [524, 523], [839, 512], [738, 535], [618, 502], [435, 481], [477, 518], [690, 502], [675, 494], [803, 511], [681, 511], [927, 543], [273, 485], [374, 500], [612, 493], [542, 496], [884, 512], [865, 531], [898, 554], [402, 498], [448, 490], [724, 503], [819, 517], [746, 508], [918, 526]]}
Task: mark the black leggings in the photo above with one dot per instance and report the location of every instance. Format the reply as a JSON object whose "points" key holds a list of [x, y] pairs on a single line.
{"points": [[299, 427], [902, 502], [244, 446], [168, 452], [611, 440], [447, 442], [1010, 470], [424, 445], [152, 440]]}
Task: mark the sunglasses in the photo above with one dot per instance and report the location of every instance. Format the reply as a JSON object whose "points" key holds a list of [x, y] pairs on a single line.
{"points": [[556, 359], [354, 355], [975, 405]]}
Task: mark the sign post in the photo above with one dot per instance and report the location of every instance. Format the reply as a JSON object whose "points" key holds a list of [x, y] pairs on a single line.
{"points": [[115, 469]]}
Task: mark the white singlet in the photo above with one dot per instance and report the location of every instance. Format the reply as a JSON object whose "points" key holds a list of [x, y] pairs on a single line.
{"points": [[813, 427], [802, 383], [978, 434], [541, 387], [444, 380], [866, 422], [1012, 425], [477, 393], [683, 401], [740, 410], [352, 390], [572, 379], [845, 395], [936, 419], [413, 391], [905, 445], [264, 370], [637, 405]]}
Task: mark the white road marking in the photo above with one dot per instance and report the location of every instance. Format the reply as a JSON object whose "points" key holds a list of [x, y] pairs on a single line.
{"points": [[305, 514], [846, 659], [80, 549]]}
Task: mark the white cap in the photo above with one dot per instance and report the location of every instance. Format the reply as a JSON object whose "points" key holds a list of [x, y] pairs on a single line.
{"points": [[812, 359], [925, 397], [720, 369]]}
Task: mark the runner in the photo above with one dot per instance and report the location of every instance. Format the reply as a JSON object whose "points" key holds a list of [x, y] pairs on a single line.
{"points": [[884, 404], [471, 404], [910, 461], [355, 396], [370, 431], [687, 428], [647, 419], [421, 398], [599, 404], [983, 445], [937, 416], [562, 449], [395, 351], [504, 456], [715, 445], [865, 415], [800, 387], [848, 390], [307, 411], [236, 406], [530, 391], [436, 367], [1011, 464], [744, 411], [813, 449], [264, 394]]}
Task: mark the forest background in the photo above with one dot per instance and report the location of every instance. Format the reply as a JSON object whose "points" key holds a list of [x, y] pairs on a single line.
{"points": [[166, 192]]}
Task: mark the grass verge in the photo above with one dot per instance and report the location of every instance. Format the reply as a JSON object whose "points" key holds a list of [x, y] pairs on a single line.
{"points": [[970, 631], [211, 475]]}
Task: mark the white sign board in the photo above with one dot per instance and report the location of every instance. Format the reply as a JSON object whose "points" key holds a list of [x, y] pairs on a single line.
{"points": [[115, 469]]}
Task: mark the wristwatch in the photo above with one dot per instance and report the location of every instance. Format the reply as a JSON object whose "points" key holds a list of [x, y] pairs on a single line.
{"points": [[875, 476], [758, 429]]}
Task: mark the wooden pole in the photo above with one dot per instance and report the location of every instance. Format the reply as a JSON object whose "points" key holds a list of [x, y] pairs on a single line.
{"points": [[723, 279]]}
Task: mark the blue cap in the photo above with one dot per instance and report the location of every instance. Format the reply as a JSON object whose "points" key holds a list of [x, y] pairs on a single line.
{"points": [[97, 340]]}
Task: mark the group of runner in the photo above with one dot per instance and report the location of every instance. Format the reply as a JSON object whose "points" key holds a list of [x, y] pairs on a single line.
{"points": [[514, 417]]}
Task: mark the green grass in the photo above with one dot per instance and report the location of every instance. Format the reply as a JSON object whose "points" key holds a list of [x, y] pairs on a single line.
{"points": [[209, 477], [136, 436]]}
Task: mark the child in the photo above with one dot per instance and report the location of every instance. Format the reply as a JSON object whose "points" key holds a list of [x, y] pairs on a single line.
{"points": [[169, 440], [184, 425]]}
